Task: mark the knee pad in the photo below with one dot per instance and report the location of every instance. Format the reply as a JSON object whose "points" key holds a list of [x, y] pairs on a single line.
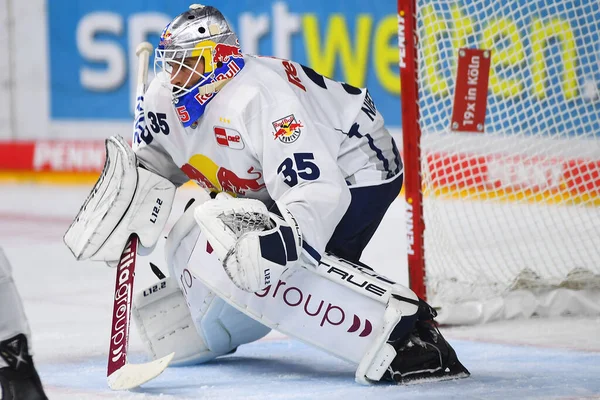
{"points": [[225, 328]]}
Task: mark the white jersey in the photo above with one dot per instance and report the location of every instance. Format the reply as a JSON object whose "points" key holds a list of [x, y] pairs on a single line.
{"points": [[276, 131]]}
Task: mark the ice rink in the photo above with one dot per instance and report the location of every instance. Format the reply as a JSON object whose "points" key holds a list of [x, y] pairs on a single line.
{"points": [[69, 308]]}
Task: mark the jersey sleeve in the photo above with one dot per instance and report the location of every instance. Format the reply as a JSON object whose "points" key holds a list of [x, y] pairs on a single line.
{"points": [[301, 172], [150, 153], [154, 158]]}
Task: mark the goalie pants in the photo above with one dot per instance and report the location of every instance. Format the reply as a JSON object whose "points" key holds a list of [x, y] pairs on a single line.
{"points": [[367, 208]]}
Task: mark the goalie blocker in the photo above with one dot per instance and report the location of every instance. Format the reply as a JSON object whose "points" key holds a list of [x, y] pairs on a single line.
{"points": [[342, 308], [127, 199]]}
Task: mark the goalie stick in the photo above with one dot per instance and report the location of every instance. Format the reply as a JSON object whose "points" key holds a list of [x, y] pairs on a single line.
{"points": [[120, 374]]}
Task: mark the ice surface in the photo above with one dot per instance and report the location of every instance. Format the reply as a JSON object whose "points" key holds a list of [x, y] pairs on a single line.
{"points": [[69, 308]]}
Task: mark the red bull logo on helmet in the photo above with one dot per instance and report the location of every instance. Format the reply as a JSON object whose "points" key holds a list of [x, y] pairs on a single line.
{"points": [[287, 129], [206, 173], [165, 38], [202, 99], [232, 69], [223, 52]]}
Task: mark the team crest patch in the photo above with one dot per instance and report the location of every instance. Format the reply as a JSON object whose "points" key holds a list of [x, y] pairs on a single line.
{"points": [[287, 129], [229, 138]]}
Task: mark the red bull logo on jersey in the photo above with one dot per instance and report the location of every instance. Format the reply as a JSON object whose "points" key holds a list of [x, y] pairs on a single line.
{"points": [[206, 173], [287, 129]]}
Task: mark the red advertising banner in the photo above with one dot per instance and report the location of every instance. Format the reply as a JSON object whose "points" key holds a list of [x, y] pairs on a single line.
{"points": [[16, 155], [52, 156], [470, 94], [563, 176], [514, 173]]}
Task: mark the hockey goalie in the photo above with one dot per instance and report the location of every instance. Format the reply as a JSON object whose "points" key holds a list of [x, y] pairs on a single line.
{"points": [[296, 172]]}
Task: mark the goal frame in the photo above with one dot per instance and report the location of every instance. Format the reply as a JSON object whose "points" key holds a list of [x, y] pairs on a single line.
{"points": [[549, 160]]}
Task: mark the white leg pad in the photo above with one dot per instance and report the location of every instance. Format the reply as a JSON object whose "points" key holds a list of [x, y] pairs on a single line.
{"points": [[400, 312], [380, 354], [166, 325], [338, 307]]}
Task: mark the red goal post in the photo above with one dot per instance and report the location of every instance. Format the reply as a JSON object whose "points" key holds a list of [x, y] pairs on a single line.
{"points": [[411, 142]]}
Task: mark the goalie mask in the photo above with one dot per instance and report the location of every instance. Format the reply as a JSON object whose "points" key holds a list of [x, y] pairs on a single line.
{"points": [[200, 34]]}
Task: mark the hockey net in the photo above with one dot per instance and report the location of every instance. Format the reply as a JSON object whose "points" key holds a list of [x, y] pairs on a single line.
{"points": [[503, 221]]}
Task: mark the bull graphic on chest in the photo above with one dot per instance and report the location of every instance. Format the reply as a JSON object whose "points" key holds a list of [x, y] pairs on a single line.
{"points": [[206, 173]]}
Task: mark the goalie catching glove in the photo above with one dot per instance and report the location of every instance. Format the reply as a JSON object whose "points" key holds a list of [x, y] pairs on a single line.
{"points": [[254, 245]]}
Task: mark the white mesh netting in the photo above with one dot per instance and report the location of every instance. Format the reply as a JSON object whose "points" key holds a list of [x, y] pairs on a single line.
{"points": [[519, 205]]}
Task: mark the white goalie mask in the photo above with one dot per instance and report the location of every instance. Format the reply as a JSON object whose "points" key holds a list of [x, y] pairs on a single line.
{"points": [[199, 35]]}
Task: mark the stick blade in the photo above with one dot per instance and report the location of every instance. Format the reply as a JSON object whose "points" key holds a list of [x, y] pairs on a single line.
{"points": [[130, 376]]}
